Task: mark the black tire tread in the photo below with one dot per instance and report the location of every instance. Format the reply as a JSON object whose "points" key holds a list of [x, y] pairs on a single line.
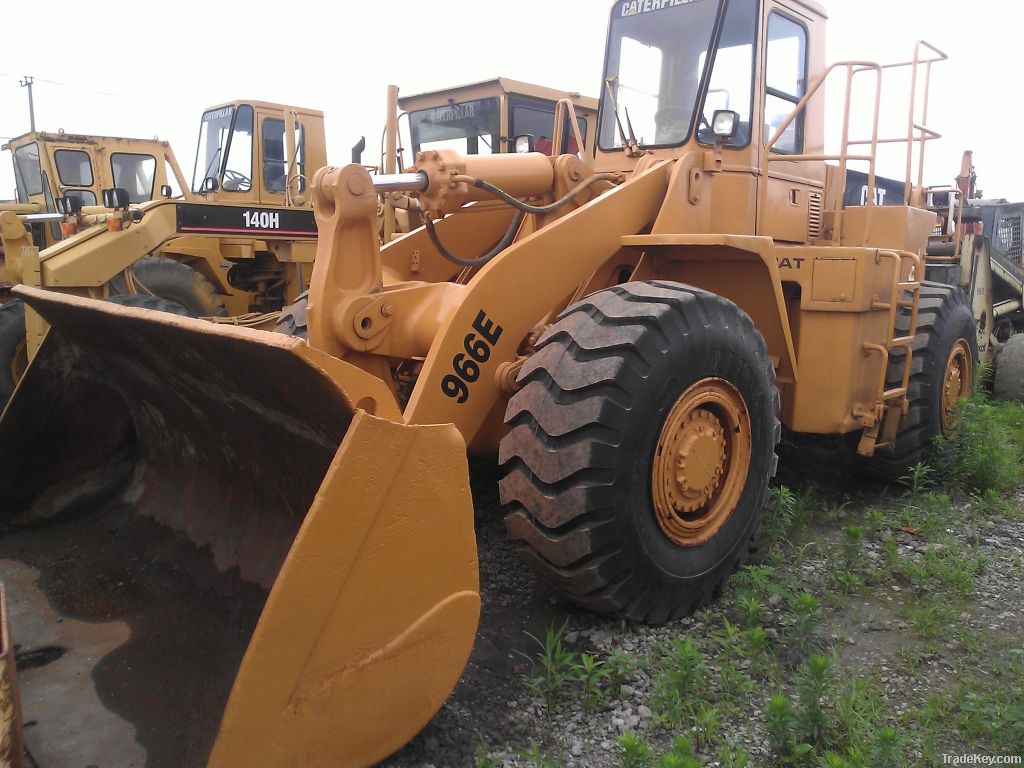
{"points": [[575, 397], [175, 281], [940, 305]]}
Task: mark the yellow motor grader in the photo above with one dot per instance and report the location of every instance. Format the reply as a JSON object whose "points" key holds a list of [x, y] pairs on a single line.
{"points": [[261, 548]]}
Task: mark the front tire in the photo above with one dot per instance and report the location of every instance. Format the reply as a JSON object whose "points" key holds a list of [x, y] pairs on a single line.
{"points": [[176, 282], [640, 450]]}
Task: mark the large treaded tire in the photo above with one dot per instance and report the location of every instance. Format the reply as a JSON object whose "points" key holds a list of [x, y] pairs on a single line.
{"points": [[1008, 382], [12, 341], [176, 282], [579, 456], [292, 321], [153, 303], [944, 317]]}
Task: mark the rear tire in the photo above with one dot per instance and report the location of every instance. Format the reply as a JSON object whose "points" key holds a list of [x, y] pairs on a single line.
{"points": [[1008, 382], [603, 496], [176, 282], [945, 352], [13, 350]]}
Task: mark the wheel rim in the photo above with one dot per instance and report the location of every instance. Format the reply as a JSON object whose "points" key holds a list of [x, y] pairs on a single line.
{"points": [[956, 383], [19, 361], [701, 462]]}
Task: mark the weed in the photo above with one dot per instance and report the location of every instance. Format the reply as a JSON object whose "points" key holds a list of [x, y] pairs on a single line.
{"points": [[780, 724], [681, 755], [556, 666], [591, 673], [634, 752], [887, 750], [920, 476], [620, 665], [484, 759], [989, 444], [807, 618], [706, 722], [538, 758], [813, 685], [750, 610], [681, 683]]}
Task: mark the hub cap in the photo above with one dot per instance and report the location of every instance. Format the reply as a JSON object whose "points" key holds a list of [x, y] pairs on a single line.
{"points": [[956, 383], [701, 462]]}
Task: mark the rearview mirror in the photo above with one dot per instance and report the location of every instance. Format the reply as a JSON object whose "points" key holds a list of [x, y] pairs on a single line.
{"points": [[165, 190], [523, 143], [115, 198], [209, 184]]}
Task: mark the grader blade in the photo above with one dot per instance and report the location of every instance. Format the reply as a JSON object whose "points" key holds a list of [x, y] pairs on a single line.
{"points": [[298, 577]]}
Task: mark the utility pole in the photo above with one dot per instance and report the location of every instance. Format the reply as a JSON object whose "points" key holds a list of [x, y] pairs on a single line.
{"points": [[26, 82]]}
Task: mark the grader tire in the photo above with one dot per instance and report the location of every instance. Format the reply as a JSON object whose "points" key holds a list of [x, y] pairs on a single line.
{"points": [[1008, 382], [942, 371], [154, 303], [176, 282], [292, 321], [13, 358], [624, 387]]}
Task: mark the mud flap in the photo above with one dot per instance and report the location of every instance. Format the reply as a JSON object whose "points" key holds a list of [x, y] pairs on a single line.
{"points": [[261, 451]]}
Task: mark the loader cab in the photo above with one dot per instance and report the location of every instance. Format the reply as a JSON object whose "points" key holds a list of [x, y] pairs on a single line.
{"points": [[673, 66], [258, 152], [487, 117]]}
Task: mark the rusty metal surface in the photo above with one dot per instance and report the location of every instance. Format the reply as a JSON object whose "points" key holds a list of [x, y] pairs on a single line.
{"points": [[224, 434]]}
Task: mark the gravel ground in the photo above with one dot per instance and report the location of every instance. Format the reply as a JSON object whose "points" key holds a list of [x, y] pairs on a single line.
{"points": [[492, 719]]}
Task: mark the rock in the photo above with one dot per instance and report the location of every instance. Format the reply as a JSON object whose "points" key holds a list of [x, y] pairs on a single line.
{"points": [[576, 749], [644, 712], [774, 601], [432, 745], [572, 637]]}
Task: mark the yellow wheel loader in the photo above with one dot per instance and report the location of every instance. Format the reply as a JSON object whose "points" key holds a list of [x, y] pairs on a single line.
{"points": [[280, 530]]}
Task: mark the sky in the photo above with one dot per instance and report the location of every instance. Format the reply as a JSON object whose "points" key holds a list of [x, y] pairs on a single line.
{"points": [[153, 73]]}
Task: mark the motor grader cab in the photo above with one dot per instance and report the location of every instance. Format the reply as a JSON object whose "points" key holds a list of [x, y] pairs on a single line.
{"points": [[487, 117], [626, 329], [48, 166]]}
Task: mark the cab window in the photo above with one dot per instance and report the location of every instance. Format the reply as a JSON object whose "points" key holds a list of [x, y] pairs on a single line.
{"points": [[786, 81], [276, 163], [134, 172], [28, 175], [731, 85], [88, 197], [538, 120], [73, 167], [470, 127], [237, 176]]}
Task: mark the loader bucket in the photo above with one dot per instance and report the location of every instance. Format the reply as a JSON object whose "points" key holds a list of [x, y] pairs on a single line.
{"points": [[217, 555]]}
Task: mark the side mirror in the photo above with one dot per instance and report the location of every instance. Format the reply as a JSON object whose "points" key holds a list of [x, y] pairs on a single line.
{"points": [[523, 143], [210, 184], [115, 198], [725, 123], [165, 190], [68, 205]]}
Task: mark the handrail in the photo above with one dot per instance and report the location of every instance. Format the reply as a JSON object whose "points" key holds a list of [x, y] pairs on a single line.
{"points": [[918, 133]]}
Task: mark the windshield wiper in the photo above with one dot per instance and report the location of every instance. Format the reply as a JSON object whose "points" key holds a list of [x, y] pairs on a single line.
{"points": [[631, 145]]}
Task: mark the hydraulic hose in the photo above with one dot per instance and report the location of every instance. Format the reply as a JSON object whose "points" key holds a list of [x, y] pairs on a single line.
{"points": [[481, 260], [521, 209]]}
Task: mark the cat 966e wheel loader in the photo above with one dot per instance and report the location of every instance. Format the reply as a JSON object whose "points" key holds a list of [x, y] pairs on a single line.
{"points": [[627, 329]]}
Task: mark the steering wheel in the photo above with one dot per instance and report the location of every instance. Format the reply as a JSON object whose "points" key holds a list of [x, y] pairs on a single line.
{"points": [[236, 182]]}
